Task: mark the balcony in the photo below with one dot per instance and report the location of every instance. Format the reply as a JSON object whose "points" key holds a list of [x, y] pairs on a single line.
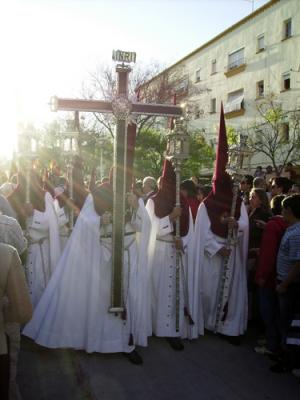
{"points": [[234, 107], [235, 67]]}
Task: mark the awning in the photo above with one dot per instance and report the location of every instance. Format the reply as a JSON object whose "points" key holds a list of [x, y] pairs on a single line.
{"points": [[234, 104]]}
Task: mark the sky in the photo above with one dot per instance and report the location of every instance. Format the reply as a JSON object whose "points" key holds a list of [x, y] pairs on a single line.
{"points": [[49, 47]]}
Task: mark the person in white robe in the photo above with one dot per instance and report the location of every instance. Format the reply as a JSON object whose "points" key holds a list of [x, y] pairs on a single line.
{"points": [[43, 240], [62, 215], [74, 309], [209, 257], [224, 302], [163, 215]]}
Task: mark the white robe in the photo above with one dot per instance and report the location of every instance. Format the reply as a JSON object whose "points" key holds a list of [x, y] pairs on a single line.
{"points": [[73, 312], [43, 249], [163, 277], [63, 220], [209, 262]]}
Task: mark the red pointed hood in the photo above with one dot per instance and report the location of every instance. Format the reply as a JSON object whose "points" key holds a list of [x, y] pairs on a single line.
{"points": [[219, 200], [165, 198]]}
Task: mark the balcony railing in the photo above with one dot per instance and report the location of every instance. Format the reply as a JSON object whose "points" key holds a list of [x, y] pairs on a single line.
{"points": [[235, 67]]}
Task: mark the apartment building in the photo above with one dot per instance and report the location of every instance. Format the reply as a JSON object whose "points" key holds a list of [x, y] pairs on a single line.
{"points": [[256, 57]]}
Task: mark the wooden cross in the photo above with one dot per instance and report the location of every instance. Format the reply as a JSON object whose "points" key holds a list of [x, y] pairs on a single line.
{"points": [[122, 108]]}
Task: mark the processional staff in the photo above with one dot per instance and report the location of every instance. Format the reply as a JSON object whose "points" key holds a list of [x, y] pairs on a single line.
{"points": [[70, 150], [237, 155], [177, 152]]}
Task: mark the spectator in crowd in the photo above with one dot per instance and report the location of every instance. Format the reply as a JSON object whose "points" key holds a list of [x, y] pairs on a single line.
{"points": [[15, 306], [189, 191], [269, 175], [288, 270], [259, 183], [265, 277], [259, 172], [245, 187], [11, 233], [280, 185], [259, 211], [288, 172]]}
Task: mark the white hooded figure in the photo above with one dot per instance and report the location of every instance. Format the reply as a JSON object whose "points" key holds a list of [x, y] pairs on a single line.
{"points": [[62, 216], [74, 310], [222, 262], [164, 260], [43, 248]]}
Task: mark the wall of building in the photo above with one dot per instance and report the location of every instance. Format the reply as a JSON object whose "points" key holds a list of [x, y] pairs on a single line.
{"points": [[278, 57]]}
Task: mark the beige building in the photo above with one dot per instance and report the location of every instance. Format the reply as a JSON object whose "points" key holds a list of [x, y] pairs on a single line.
{"points": [[254, 58]]}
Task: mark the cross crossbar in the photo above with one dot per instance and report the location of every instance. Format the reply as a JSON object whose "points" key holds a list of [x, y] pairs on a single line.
{"points": [[102, 106]]}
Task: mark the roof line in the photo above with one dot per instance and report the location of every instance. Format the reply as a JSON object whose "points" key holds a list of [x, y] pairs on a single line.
{"points": [[214, 39]]}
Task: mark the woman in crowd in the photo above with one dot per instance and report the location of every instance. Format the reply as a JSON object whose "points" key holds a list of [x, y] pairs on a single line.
{"points": [[265, 277], [259, 212]]}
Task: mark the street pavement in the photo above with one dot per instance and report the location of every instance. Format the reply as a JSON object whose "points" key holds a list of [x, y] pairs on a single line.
{"points": [[208, 369]]}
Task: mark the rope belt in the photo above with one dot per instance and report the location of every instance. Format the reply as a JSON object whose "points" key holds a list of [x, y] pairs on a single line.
{"points": [[109, 235], [45, 275], [40, 241], [165, 240]]}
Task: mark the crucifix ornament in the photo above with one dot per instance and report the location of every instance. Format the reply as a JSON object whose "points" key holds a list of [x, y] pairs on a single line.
{"points": [[123, 109]]}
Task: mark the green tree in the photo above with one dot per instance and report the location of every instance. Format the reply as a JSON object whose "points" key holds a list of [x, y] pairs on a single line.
{"points": [[150, 150], [149, 153], [277, 135], [202, 155]]}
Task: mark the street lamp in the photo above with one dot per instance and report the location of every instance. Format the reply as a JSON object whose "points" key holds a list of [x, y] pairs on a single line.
{"points": [[239, 155]]}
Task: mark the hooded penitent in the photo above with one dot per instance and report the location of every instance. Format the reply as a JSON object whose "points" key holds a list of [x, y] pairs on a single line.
{"points": [[79, 191], [218, 202], [165, 198], [17, 198]]}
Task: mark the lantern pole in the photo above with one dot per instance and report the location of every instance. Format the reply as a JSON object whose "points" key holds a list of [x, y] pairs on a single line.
{"points": [[177, 152], [237, 156]]}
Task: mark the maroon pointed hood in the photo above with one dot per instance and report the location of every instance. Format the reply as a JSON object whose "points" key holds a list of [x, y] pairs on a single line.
{"points": [[165, 198], [219, 200]]}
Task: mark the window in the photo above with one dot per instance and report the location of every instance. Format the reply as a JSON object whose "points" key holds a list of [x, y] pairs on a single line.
{"points": [[198, 75], [236, 59], [287, 29], [214, 66], [235, 101], [213, 105], [261, 42], [286, 81], [260, 89]]}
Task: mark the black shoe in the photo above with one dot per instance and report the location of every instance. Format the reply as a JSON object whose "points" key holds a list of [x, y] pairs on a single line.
{"points": [[134, 357], [234, 340], [175, 343]]}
